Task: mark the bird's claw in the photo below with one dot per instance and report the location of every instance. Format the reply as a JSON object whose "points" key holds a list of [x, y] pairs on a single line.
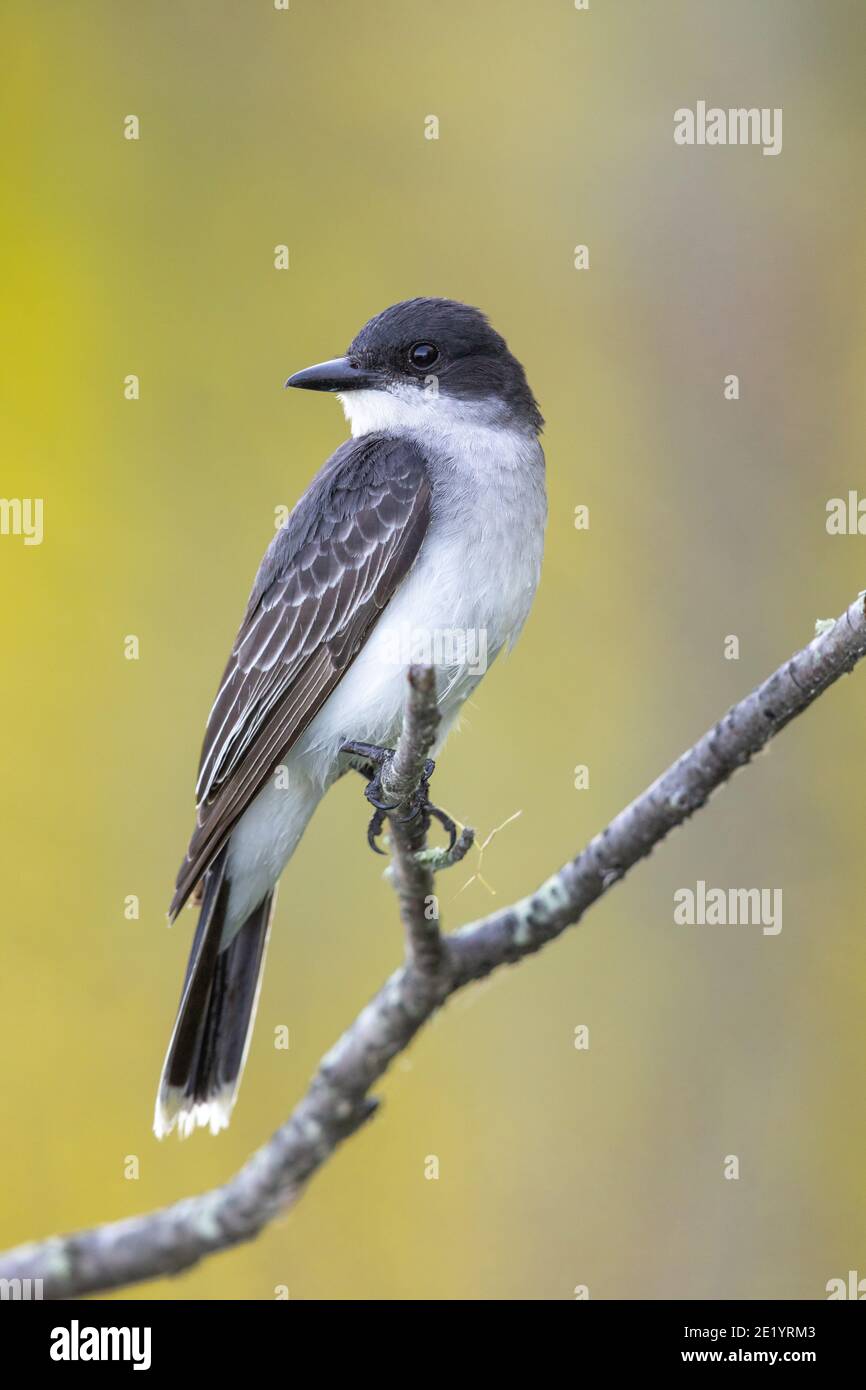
{"points": [[421, 805], [374, 830], [446, 822], [372, 762]]}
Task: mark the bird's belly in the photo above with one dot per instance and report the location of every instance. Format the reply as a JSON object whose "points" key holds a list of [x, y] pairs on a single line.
{"points": [[456, 609]]}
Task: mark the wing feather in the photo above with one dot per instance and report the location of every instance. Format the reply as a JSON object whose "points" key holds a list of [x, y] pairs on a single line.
{"points": [[322, 585]]}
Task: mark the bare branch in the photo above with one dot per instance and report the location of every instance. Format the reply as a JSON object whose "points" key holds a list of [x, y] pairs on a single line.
{"points": [[561, 901], [337, 1102], [412, 873]]}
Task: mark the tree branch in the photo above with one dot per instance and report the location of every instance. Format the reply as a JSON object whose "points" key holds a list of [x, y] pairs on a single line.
{"points": [[337, 1102], [411, 871]]}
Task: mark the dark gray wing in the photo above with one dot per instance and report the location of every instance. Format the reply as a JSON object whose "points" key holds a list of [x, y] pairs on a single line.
{"points": [[322, 585]]}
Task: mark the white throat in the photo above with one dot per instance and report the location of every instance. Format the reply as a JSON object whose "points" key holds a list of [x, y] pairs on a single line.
{"points": [[415, 410]]}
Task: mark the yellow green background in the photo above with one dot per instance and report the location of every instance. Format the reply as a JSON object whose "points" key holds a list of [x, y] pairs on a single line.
{"points": [[557, 1167]]}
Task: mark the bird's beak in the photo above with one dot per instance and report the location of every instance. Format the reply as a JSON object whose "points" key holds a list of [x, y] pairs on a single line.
{"points": [[337, 375]]}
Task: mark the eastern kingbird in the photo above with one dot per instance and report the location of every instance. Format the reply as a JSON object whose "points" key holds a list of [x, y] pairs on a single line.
{"points": [[422, 536]]}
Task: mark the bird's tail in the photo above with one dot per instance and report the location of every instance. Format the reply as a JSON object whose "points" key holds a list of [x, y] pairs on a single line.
{"points": [[208, 1047]]}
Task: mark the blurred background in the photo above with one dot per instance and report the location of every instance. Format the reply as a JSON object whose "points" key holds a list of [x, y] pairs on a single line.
{"points": [[558, 1167]]}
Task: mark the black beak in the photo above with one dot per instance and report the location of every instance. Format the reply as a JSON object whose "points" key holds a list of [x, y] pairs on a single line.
{"points": [[337, 375]]}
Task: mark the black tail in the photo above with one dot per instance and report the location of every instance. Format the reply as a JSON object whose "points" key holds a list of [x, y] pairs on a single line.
{"points": [[208, 1048]]}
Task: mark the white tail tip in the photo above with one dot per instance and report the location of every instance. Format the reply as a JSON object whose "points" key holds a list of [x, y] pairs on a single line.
{"points": [[175, 1110]]}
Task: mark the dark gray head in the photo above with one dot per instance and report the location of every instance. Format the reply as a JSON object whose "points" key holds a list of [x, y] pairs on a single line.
{"points": [[429, 355]]}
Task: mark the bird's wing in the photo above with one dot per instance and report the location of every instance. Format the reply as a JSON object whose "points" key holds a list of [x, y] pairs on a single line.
{"points": [[320, 589]]}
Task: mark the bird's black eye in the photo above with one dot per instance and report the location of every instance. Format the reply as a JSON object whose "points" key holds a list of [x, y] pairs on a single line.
{"points": [[423, 355]]}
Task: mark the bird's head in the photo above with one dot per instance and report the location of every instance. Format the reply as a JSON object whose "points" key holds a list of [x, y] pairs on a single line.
{"points": [[427, 363]]}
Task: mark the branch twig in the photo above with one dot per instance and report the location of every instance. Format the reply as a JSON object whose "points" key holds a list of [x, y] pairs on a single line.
{"points": [[337, 1102]]}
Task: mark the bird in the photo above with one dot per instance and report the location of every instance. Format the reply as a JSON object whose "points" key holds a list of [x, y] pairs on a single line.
{"points": [[424, 531]]}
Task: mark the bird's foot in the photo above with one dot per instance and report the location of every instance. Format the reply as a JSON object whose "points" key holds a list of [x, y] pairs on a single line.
{"points": [[372, 761]]}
